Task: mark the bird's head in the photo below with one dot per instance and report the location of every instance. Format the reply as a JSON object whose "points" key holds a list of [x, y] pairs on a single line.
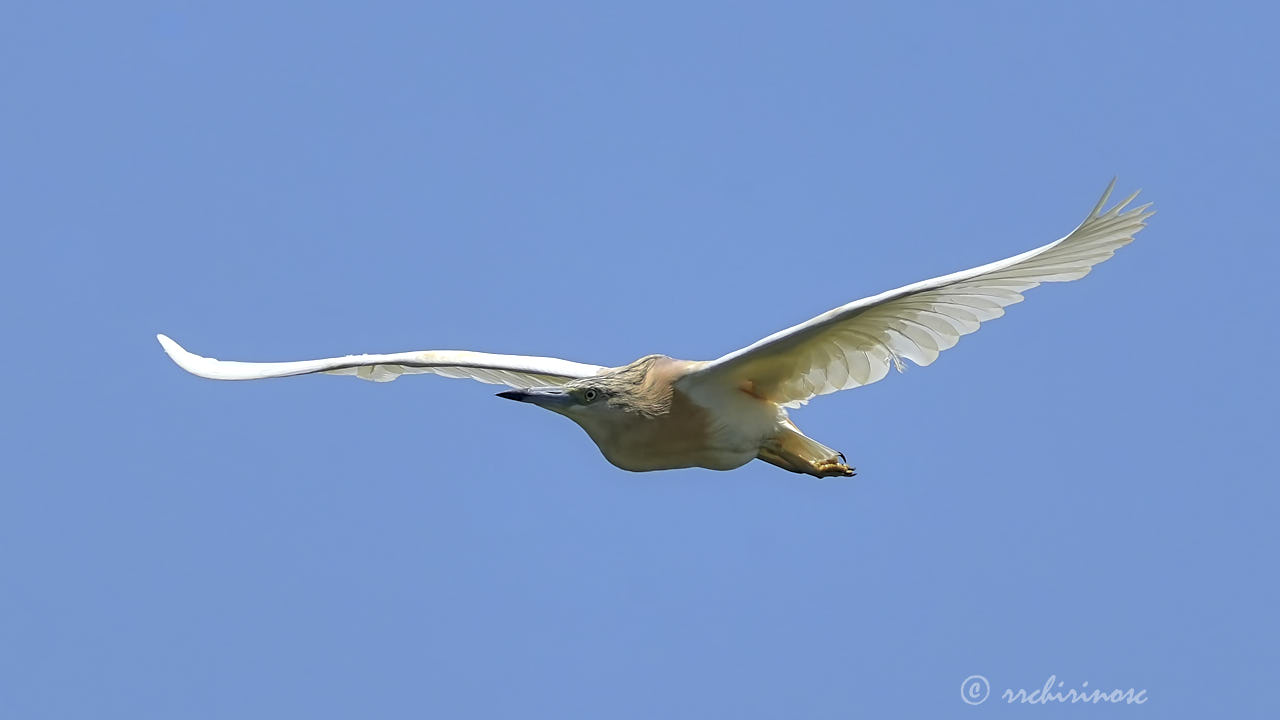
{"points": [[625, 392], [572, 400]]}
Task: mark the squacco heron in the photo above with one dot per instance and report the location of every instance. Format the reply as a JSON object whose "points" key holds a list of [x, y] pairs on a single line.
{"points": [[659, 413]]}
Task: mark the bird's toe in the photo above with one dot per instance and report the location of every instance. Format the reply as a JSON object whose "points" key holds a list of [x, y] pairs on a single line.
{"points": [[833, 467]]}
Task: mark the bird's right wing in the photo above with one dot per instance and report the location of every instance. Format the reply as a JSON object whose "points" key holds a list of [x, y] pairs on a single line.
{"points": [[518, 371], [857, 344]]}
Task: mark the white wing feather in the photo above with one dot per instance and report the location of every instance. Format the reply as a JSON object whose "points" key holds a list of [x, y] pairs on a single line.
{"points": [[520, 371], [855, 344]]}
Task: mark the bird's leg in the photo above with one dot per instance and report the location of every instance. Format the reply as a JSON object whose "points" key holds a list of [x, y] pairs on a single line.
{"points": [[791, 450]]}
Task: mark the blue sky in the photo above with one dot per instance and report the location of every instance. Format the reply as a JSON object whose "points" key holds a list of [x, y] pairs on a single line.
{"points": [[1085, 488]]}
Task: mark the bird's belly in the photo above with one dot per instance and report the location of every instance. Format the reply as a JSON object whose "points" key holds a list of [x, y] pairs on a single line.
{"points": [[642, 451], [691, 435]]}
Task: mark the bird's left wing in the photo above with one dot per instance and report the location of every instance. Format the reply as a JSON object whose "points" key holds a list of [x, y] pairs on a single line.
{"points": [[855, 344], [519, 371]]}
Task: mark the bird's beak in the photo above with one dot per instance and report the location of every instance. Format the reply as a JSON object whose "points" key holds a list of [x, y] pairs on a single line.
{"points": [[551, 398]]}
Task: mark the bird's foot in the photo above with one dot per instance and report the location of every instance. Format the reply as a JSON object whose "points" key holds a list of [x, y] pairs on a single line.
{"points": [[833, 467]]}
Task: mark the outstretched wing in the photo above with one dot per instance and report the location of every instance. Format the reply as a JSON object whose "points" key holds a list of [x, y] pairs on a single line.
{"points": [[854, 345], [519, 371]]}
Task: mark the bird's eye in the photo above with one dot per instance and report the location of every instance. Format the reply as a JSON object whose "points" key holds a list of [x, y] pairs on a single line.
{"points": [[589, 395]]}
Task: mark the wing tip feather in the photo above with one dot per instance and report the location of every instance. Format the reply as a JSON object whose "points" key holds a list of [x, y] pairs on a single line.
{"points": [[171, 348], [1106, 195], [184, 358]]}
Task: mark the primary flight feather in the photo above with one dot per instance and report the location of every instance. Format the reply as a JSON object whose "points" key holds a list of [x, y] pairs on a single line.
{"points": [[660, 413]]}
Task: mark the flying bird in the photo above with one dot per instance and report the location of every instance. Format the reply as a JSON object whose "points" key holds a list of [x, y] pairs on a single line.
{"points": [[660, 413]]}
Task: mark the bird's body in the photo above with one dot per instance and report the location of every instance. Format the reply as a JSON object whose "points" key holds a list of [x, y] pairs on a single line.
{"points": [[681, 424], [659, 413]]}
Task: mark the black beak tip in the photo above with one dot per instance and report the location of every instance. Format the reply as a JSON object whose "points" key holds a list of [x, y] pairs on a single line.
{"points": [[511, 395]]}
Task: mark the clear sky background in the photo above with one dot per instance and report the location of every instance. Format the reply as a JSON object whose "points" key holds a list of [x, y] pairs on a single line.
{"points": [[1085, 488]]}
